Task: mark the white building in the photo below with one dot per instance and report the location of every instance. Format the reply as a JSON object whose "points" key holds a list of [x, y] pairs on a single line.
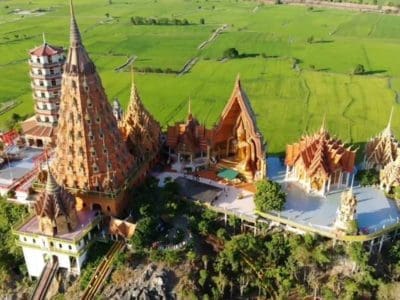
{"points": [[46, 66], [57, 233]]}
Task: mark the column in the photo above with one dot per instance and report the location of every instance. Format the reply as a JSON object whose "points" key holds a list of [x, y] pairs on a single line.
{"points": [[329, 184], [347, 179]]}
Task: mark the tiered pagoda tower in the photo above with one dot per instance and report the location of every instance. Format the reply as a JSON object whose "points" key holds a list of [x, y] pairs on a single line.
{"points": [[91, 158], [46, 64], [140, 130]]}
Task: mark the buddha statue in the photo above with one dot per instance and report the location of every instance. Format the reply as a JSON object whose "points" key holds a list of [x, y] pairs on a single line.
{"points": [[243, 153]]}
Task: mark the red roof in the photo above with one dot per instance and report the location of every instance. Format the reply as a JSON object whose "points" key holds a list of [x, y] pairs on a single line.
{"points": [[46, 50]]}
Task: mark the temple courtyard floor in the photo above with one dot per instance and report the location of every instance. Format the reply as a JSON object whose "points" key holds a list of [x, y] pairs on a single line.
{"points": [[375, 212]]}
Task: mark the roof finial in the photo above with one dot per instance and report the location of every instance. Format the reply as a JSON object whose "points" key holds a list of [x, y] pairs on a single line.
{"points": [[75, 36], [388, 130], [132, 75], [190, 107], [323, 125], [44, 38], [238, 79]]}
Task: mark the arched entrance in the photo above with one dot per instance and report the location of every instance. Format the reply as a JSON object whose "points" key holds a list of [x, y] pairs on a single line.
{"points": [[96, 207]]}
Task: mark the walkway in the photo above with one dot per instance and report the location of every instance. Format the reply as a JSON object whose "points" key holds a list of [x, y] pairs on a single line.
{"points": [[45, 280]]}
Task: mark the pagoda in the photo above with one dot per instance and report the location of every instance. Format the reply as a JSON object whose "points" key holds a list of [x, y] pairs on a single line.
{"points": [[236, 141], [55, 209], [140, 131], [46, 64], [91, 158], [347, 213], [319, 162], [382, 149]]}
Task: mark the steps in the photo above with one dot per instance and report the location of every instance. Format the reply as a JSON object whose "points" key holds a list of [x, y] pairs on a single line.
{"points": [[101, 272], [225, 163], [45, 280]]}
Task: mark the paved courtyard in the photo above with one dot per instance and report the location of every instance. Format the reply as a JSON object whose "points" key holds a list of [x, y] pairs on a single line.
{"points": [[374, 210]]}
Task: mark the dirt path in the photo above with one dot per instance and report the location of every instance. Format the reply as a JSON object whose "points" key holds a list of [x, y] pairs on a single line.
{"points": [[340, 5], [128, 62], [215, 34]]}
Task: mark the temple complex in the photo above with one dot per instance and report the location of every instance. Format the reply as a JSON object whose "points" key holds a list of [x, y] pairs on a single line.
{"points": [[347, 212], [46, 64], [140, 131], [235, 142], [57, 235], [319, 162], [382, 149], [91, 159]]}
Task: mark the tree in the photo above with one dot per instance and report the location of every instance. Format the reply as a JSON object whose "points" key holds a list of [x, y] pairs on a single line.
{"points": [[269, 196], [310, 39], [359, 70], [144, 233], [231, 53], [202, 21]]}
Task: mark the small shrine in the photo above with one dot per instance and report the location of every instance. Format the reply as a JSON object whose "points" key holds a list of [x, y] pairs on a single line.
{"points": [[347, 212], [389, 176], [382, 149], [320, 162]]}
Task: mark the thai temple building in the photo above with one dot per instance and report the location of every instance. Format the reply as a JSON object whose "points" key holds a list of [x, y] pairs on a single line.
{"points": [[235, 142], [140, 131], [57, 235], [382, 149], [190, 140], [91, 159], [46, 67], [320, 162]]}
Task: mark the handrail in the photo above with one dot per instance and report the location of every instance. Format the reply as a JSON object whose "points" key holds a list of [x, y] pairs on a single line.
{"points": [[101, 272], [44, 280], [333, 235]]}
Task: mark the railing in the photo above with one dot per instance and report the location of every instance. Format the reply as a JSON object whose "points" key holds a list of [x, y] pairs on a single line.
{"points": [[44, 281], [46, 76], [45, 87], [45, 65], [101, 272], [330, 234]]}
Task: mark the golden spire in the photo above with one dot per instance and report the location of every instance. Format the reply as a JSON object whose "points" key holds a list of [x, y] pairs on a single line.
{"points": [[323, 125], [44, 38], [237, 80]]}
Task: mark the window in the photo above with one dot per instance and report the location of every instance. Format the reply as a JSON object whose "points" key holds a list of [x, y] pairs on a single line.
{"points": [[33, 241], [38, 60], [69, 247], [51, 71], [51, 244], [46, 119], [53, 83], [41, 83], [108, 208], [42, 95], [49, 59], [24, 239], [60, 245]]}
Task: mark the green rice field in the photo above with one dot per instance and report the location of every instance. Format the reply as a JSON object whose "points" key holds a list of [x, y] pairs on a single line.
{"points": [[288, 99]]}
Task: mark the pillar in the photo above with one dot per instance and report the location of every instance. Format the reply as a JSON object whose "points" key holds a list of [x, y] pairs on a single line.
{"points": [[381, 243], [340, 179], [347, 179], [371, 246], [329, 184], [287, 172]]}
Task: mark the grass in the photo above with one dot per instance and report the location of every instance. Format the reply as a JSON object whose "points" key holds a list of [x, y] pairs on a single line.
{"points": [[288, 101]]}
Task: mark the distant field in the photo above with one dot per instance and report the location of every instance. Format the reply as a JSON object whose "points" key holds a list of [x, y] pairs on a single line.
{"points": [[288, 101]]}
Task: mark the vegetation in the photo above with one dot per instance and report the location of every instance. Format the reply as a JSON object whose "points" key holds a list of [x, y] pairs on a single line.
{"points": [[359, 70], [154, 21], [269, 196], [231, 53], [11, 258], [368, 177], [287, 102]]}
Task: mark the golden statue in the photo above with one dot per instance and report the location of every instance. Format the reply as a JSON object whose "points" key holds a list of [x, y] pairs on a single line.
{"points": [[243, 153]]}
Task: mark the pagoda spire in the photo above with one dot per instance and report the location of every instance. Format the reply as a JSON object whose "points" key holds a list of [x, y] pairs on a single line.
{"points": [[237, 81], [388, 130], [323, 125], [75, 35], [44, 38]]}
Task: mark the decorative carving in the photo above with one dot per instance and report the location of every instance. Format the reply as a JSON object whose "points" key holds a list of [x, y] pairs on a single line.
{"points": [[347, 212], [390, 175]]}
